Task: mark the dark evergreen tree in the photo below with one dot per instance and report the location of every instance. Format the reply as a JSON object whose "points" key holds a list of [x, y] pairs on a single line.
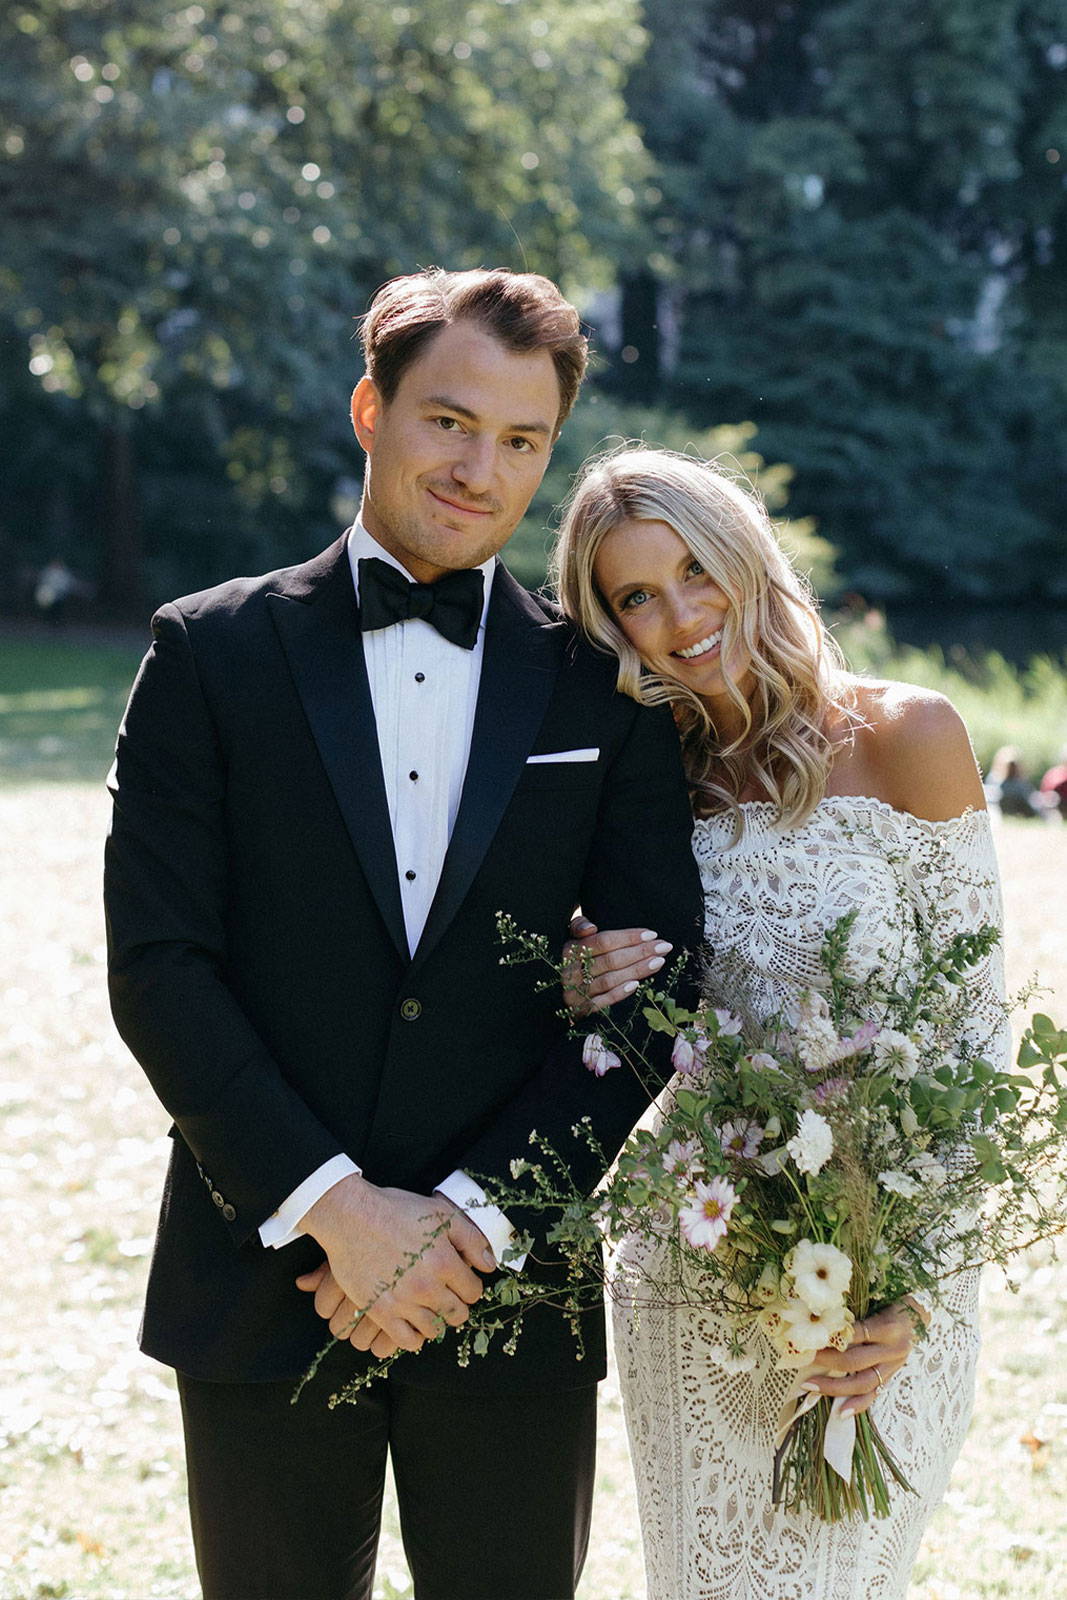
{"points": [[864, 219]]}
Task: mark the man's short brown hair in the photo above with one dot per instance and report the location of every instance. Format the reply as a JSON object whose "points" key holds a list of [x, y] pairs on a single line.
{"points": [[523, 310]]}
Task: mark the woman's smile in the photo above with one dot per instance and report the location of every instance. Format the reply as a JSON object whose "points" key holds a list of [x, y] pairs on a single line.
{"points": [[703, 647]]}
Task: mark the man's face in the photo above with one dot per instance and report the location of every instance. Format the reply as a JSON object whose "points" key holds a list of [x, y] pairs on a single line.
{"points": [[454, 458]]}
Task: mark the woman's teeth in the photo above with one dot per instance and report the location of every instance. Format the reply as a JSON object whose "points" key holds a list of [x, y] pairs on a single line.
{"points": [[701, 648]]}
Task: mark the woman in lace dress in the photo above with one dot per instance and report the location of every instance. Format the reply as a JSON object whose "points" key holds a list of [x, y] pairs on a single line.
{"points": [[815, 792]]}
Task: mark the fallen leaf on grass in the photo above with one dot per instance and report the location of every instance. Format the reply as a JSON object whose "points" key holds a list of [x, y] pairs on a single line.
{"points": [[91, 1546], [1039, 1449]]}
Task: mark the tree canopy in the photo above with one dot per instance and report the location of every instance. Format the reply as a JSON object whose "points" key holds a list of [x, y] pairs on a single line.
{"points": [[838, 221]]}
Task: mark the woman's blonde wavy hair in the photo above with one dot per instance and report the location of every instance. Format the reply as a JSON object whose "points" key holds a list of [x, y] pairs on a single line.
{"points": [[772, 624]]}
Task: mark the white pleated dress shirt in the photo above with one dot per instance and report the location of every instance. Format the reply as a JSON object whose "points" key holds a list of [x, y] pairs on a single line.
{"points": [[425, 693]]}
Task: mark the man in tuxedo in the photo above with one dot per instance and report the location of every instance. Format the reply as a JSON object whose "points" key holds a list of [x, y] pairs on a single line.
{"points": [[327, 784]]}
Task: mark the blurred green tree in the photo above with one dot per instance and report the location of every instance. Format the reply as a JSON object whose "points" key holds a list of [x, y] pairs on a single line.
{"points": [[197, 200], [862, 212]]}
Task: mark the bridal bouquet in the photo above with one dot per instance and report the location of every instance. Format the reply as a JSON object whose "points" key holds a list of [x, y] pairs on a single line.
{"points": [[801, 1176]]}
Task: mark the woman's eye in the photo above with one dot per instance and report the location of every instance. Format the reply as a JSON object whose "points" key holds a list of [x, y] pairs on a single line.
{"points": [[695, 569], [638, 598]]}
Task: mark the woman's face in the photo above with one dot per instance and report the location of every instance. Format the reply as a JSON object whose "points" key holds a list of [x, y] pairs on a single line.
{"points": [[671, 611]]}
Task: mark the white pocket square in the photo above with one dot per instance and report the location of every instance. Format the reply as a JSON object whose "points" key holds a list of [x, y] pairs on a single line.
{"points": [[589, 754]]}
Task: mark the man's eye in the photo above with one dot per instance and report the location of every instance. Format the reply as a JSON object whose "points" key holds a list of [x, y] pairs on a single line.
{"points": [[448, 423], [522, 445]]}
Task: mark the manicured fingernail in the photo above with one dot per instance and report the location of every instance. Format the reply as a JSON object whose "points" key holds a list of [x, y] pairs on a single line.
{"points": [[490, 1260], [663, 948], [655, 964], [648, 935], [811, 1388], [628, 988], [849, 1408]]}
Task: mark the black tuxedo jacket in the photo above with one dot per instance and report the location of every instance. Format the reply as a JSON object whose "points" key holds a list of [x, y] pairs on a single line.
{"points": [[258, 964]]}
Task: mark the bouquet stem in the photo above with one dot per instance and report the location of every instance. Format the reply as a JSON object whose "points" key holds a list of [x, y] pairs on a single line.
{"points": [[805, 1481]]}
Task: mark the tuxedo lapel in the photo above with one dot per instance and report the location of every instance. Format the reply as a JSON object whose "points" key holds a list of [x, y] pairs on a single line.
{"points": [[523, 651], [315, 612]]}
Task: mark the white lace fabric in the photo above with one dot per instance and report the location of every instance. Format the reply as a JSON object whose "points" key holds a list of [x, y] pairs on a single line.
{"points": [[702, 1437]]}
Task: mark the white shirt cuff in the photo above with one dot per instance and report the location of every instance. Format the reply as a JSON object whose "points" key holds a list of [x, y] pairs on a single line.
{"points": [[282, 1226], [470, 1198]]}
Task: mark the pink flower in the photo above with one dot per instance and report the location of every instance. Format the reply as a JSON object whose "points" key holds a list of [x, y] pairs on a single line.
{"points": [[681, 1158], [864, 1035], [689, 1055], [741, 1139], [728, 1024], [704, 1220], [830, 1089], [596, 1055]]}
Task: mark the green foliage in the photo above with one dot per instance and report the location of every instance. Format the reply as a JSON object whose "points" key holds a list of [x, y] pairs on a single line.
{"points": [[863, 212], [196, 203]]}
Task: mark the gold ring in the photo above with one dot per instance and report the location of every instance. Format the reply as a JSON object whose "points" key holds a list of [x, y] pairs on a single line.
{"points": [[881, 1380]]}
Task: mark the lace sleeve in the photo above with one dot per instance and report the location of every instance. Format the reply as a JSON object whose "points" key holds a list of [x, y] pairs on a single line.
{"points": [[953, 878]]}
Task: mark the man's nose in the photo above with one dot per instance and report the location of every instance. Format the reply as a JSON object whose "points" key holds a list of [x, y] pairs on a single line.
{"points": [[473, 464]]}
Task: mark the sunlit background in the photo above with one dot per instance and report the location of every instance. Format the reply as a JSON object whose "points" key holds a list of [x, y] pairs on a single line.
{"points": [[826, 239]]}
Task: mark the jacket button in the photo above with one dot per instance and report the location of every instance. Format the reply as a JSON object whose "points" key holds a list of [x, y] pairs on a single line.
{"points": [[229, 1213], [217, 1199], [410, 1010]]}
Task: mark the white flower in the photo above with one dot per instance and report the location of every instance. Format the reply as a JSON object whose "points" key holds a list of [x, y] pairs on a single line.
{"points": [[727, 1024], [741, 1139], [929, 1170], [704, 1220], [895, 1053], [597, 1057], [765, 1290], [763, 1061], [813, 1143], [821, 1274], [771, 1162], [899, 1183], [804, 1328], [909, 1121], [817, 1041], [730, 1360]]}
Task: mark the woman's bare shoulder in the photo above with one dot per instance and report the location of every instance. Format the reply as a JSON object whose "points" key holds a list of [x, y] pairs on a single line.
{"points": [[917, 749]]}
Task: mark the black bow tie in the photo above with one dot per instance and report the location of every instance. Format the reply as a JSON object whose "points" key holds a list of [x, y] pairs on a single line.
{"points": [[452, 605]]}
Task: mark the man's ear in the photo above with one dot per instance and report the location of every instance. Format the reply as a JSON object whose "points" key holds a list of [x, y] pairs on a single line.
{"points": [[366, 409]]}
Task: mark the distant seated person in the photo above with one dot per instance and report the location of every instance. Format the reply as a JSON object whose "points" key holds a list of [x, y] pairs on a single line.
{"points": [[56, 586], [1009, 789], [1053, 786]]}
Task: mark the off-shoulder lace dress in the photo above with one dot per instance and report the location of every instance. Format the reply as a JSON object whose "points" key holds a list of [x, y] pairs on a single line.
{"points": [[701, 1436]]}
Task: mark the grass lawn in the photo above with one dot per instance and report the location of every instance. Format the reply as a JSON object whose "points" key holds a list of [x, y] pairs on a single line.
{"points": [[91, 1491]]}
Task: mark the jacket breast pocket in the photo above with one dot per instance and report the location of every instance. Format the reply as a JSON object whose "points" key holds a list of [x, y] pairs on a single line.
{"points": [[575, 777]]}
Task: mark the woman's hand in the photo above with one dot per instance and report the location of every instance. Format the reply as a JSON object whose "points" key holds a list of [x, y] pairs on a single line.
{"points": [[880, 1346], [615, 963]]}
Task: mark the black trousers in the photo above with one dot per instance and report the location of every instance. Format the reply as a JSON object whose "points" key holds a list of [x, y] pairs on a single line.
{"points": [[494, 1492]]}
